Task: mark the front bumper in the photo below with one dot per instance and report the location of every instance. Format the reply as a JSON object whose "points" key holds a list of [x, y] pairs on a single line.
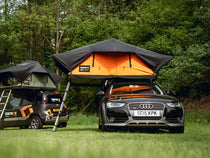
{"points": [[160, 124], [123, 117]]}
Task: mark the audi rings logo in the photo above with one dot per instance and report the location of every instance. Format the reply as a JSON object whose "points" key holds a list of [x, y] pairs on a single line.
{"points": [[146, 106]]}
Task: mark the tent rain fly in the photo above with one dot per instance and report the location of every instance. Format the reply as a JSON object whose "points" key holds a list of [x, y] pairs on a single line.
{"points": [[110, 53], [29, 75]]}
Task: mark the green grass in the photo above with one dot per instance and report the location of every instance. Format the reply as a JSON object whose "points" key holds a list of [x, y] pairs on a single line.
{"points": [[82, 138]]}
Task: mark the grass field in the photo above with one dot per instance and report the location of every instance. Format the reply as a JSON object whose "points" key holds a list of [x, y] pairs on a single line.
{"points": [[82, 138]]}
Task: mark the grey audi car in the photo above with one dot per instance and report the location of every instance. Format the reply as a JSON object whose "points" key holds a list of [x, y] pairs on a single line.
{"points": [[132, 103]]}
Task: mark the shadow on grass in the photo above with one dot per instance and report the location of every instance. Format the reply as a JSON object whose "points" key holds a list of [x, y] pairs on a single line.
{"points": [[138, 130], [117, 130], [77, 129], [108, 130]]}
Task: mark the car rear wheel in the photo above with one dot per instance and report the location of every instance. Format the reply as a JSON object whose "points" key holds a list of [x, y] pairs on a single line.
{"points": [[36, 122], [176, 129]]}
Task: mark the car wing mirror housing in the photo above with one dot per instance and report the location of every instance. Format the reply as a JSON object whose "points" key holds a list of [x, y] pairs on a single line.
{"points": [[100, 94], [168, 92]]}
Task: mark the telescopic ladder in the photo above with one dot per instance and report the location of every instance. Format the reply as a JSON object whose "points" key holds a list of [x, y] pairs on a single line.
{"points": [[5, 94], [61, 107]]}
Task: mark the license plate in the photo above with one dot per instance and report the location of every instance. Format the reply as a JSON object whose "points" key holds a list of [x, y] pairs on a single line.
{"points": [[151, 113]]}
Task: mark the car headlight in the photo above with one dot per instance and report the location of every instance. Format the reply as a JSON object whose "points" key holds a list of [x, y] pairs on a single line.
{"points": [[175, 105], [114, 105]]}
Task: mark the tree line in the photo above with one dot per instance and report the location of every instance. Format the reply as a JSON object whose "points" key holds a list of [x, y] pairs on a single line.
{"points": [[36, 29]]}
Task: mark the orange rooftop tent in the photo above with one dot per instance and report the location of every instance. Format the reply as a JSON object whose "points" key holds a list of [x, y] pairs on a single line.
{"points": [[106, 60], [110, 59]]}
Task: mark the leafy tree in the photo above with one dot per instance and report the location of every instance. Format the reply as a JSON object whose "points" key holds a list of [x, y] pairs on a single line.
{"points": [[187, 74], [36, 29], [161, 25]]}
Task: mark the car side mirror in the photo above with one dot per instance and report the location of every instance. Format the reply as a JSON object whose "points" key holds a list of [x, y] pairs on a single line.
{"points": [[100, 94], [168, 92]]}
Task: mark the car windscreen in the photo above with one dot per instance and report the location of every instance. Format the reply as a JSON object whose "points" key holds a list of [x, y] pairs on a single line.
{"points": [[54, 99], [133, 88]]}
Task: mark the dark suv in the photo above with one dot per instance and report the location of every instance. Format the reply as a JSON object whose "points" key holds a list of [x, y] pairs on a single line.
{"points": [[34, 109], [139, 104]]}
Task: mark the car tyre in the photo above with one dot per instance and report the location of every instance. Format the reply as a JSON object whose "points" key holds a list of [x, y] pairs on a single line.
{"points": [[36, 122], [176, 129], [99, 125], [103, 127]]}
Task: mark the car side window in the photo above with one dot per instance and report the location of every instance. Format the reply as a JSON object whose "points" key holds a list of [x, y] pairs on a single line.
{"points": [[14, 102]]}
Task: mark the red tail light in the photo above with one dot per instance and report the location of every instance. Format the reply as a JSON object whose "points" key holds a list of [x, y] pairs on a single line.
{"points": [[49, 118], [45, 99]]}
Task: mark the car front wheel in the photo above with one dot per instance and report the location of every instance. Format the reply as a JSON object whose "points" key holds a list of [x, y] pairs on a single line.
{"points": [[36, 122]]}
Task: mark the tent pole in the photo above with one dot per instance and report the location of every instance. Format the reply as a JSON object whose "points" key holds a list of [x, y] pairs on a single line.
{"points": [[61, 108]]}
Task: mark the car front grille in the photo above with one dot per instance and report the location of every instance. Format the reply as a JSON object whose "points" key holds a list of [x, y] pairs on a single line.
{"points": [[146, 106]]}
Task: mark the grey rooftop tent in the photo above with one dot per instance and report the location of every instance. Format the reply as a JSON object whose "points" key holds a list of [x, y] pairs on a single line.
{"points": [[29, 75], [109, 59]]}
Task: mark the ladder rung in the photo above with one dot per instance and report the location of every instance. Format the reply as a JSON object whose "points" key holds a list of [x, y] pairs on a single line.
{"points": [[4, 96], [2, 103]]}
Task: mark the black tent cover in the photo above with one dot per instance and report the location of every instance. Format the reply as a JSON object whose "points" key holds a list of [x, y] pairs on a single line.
{"points": [[67, 61], [22, 71]]}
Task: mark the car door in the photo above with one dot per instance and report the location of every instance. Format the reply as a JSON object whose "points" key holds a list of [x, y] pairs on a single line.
{"points": [[17, 112], [12, 113]]}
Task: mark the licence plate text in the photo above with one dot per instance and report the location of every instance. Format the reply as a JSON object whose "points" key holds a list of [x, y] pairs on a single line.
{"points": [[147, 113]]}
